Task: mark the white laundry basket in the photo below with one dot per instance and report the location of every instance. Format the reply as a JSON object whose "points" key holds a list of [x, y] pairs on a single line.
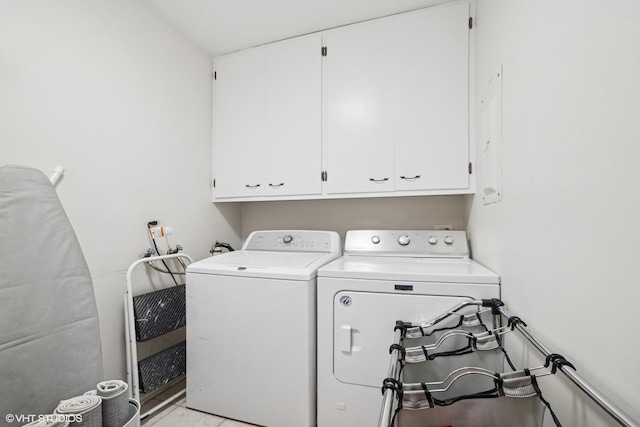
{"points": [[134, 414]]}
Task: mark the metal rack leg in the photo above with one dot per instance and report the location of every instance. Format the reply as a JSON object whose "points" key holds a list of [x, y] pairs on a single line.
{"points": [[607, 405]]}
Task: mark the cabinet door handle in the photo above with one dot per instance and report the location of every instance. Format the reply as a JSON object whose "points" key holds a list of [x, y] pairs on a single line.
{"points": [[252, 186], [378, 181], [276, 185], [410, 178]]}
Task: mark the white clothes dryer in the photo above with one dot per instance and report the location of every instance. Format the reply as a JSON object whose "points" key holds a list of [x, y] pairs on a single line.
{"points": [[251, 328], [384, 276]]}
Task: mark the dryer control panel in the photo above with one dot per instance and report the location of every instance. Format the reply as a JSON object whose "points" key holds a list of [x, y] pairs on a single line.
{"points": [[407, 243]]}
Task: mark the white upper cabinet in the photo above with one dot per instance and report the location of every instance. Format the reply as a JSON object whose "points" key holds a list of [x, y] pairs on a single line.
{"points": [[239, 124], [293, 117], [397, 103], [267, 120], [359, 108], [431, 98], [383, 111]]}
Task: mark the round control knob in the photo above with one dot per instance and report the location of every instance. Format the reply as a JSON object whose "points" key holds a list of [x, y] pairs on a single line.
{"points": [[433, 240], [448, 240], [287, 239], [375, 240], [403, 240]]}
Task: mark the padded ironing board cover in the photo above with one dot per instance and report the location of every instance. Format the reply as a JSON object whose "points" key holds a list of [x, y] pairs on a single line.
{"points": [[49, 333]]}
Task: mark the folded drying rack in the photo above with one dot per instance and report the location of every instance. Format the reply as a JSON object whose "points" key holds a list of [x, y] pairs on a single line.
{"points": [[393, 388], [148, 316]]}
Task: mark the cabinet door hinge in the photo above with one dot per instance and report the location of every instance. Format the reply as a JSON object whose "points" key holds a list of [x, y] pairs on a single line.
{"points": [[470, 168], [215, 75], [470, 22], [214, 183], [323, 51], [323, 176]]}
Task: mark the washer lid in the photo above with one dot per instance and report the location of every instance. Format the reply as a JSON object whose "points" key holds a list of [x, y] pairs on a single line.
{"points": [[443, 270], [278, 265]]}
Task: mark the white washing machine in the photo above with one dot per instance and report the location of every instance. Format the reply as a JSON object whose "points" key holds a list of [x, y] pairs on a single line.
{"points": [[251, 328], [384, 276]]}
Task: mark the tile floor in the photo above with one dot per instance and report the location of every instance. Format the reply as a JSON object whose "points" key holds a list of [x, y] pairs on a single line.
{"points": [[178, 415]]}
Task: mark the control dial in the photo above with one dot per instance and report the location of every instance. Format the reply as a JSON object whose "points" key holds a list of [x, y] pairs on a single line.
{"points": [[448, 240], [433, 240], [375, 240], [404, 240], [287, 239]]}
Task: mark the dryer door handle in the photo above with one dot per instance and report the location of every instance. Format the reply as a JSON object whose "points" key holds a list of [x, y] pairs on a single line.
{"points": [[344, 338]]}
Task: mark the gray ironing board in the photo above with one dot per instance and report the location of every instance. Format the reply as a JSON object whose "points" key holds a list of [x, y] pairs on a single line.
{"points": [[49, 332]]}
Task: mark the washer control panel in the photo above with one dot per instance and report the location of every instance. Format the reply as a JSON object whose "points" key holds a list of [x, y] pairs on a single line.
{"points": [[293, 241], [412, 243]]}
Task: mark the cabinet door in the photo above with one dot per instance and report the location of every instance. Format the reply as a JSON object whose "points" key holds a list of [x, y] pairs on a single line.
{"points": [[239, 124], [359, 110], [431, 98], [292, 154]]}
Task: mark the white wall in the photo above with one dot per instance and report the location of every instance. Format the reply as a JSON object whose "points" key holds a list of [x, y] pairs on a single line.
{"points": [[565, 236], [351, 214], [113, 94], [109, 91]]}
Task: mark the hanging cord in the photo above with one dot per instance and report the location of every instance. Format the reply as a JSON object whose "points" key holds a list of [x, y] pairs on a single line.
{"points": [[534, 383], [506, 355], [158, 252], [220, 245], [150, 252], [162, 270]]}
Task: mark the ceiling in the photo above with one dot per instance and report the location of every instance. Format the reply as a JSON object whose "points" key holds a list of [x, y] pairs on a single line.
{"points": [[224, 26]]}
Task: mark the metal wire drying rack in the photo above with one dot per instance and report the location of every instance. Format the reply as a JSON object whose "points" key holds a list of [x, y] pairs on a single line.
{"points": [[130, 334], [499, 309]]}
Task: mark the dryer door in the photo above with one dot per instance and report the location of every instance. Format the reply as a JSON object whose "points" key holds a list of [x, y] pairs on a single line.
{"points": [[364, 329]]}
